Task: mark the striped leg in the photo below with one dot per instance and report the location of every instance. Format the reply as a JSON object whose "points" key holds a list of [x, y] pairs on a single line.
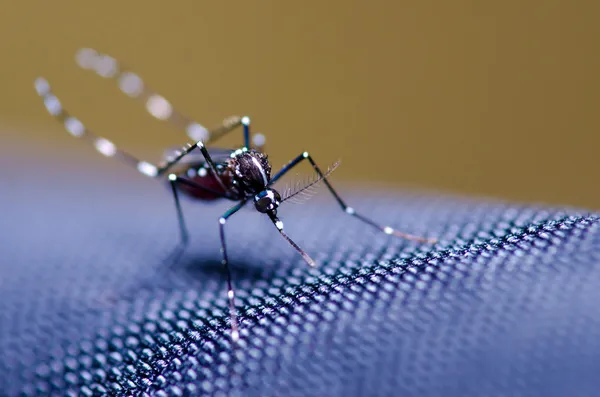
{"points": [[158, 106], [347, 209], [109, 149], [102, 145], [78, 129]]}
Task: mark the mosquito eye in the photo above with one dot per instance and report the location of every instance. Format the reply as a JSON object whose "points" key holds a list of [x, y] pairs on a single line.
{"points": [[266, 200], [262, 202]]}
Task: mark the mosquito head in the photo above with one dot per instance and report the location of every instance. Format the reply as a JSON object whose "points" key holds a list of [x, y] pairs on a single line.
{"points": [[266, 201]]}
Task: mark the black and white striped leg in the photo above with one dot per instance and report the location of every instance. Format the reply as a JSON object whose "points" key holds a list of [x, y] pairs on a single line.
{"points": [[76, 128], [132, 85], [256, 140], [235, 334], [347, 209], [279, 225], [108, 148]]}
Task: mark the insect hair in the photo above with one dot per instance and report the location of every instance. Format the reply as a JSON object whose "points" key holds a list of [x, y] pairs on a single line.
{"points": [[302, 190]]}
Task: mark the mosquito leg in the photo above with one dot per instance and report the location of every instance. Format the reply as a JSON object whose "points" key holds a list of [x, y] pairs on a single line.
{"points": [[243, 121], [109, 149], [183, 232], [211, 165], [235, 334], [184, 151], [174, 180], [343, 205], [246, 125], [132, 85], [200, 145], [279, 225], [182, 228], [102, 145]]}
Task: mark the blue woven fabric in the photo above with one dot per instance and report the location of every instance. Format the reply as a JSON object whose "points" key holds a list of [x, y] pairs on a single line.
{"points": [[507, 304]]}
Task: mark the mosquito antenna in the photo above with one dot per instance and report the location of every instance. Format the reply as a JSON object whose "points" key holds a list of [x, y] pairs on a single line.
{"points": [[302, 191]]}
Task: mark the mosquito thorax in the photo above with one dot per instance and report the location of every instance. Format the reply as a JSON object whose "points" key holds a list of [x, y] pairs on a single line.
{"points": [[267, 201], [251, 170]]}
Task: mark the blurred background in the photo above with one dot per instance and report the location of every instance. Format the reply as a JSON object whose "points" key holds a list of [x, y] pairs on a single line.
{"points": [[492, 99]]}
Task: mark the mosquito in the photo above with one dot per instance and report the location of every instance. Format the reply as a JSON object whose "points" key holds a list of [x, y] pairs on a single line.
{"points": [[242, 175]]}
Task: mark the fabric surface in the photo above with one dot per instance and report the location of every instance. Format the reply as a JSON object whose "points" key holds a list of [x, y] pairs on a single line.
{"points": [[506, 304]]}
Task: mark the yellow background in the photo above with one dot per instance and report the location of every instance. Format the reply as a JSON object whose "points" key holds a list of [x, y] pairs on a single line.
{"points": [[495, 98]]}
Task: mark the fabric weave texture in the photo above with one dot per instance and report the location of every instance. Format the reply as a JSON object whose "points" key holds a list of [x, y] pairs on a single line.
{"points": [[506, 304]]}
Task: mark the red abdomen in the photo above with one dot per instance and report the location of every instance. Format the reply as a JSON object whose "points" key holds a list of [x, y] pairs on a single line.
{"points": [[203, 183], [209, 182]]}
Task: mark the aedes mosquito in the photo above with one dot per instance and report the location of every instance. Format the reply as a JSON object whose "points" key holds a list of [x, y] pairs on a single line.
{"points": [[242, 175]]}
